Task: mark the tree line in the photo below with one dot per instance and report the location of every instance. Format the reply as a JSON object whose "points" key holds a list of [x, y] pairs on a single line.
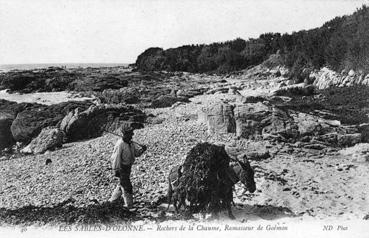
{"points": [[341, 43]]}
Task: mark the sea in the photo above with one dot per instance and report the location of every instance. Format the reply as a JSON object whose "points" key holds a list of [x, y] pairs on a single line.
{"points": [[9, 67]]}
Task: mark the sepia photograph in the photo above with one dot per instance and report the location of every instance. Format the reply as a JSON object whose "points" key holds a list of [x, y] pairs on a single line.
{"points": [[239, 118]]}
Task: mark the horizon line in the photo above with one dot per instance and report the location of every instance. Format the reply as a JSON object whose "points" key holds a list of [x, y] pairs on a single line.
{"points": [[66, 63]]}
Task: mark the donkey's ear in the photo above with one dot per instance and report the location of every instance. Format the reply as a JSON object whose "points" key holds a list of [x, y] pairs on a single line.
{"points": [[242, 157], [245, 160], [180, 171]]}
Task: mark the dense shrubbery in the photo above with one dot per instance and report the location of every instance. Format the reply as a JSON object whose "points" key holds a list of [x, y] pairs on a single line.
{"points": [[342, 43]]}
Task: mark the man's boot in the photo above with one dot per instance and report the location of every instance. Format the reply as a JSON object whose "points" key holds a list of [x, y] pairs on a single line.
{"points": [[116, 194], [128, 200]]}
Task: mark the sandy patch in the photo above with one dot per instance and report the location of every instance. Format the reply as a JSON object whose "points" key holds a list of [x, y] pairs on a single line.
{"points": [[47, 98]]}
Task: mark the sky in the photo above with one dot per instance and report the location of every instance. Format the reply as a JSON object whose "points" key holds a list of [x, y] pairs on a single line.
{"points": [[117, 31]]}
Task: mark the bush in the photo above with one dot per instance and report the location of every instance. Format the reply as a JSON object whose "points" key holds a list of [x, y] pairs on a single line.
{"points": [[340, 43]]}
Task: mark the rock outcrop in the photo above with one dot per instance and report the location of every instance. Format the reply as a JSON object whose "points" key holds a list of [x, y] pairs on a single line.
{"points": [[62, 79], [90, 123], [295, 89], [264, 121], [358, 153], [189, 93], [48, 139], [92, 83], [326, 78], [6, 137], [258, 120], [167, 101], [29, 122], [123, 95], [218, 117], [364, 130], [42, 80]]}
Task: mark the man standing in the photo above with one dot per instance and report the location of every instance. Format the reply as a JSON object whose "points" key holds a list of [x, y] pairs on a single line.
{"points": [[123, 157]]}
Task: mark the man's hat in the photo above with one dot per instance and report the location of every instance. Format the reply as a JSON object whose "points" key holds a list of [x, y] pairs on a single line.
{"points": [[126, 128]]}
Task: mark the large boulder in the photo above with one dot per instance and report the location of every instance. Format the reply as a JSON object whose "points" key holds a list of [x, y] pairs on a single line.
{"points": [[91, 123], [250, 119], [219, 118], [364, 130], [358, 153], [309, 125], [6, 137], [281, 124], [48, 139], [30, 121], [258, 120]]}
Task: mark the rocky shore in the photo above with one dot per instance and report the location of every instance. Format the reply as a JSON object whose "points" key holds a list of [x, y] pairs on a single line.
{"points": [[308, 147]]}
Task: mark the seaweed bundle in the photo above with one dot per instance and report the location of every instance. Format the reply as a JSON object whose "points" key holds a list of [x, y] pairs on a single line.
{"points": [[204, 179]]}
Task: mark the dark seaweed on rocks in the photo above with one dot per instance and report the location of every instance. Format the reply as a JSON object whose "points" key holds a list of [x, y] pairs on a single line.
{"points": [[347, 104], [167, 101], [66, 213], [43, 80], [58, 79]]}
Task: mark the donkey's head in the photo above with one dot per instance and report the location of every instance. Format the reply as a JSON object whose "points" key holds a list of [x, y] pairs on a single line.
{"points": [[245, 174]]}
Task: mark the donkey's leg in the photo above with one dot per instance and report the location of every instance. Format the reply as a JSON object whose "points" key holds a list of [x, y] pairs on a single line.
{"points": [[169, 195], [178, 204], [229, 209], [214, 215], [228, 203]]}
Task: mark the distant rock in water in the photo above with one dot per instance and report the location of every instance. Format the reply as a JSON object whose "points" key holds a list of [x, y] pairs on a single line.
{"points": [[90, 123], [59, 79], [48, 139], [41, 80]]}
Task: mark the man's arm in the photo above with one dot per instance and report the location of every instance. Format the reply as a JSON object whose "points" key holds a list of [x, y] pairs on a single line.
{"points": [[139, 149], [116, 157]]}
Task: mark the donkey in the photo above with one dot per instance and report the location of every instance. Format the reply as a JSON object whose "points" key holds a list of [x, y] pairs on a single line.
{"points": [[239, 171]]}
